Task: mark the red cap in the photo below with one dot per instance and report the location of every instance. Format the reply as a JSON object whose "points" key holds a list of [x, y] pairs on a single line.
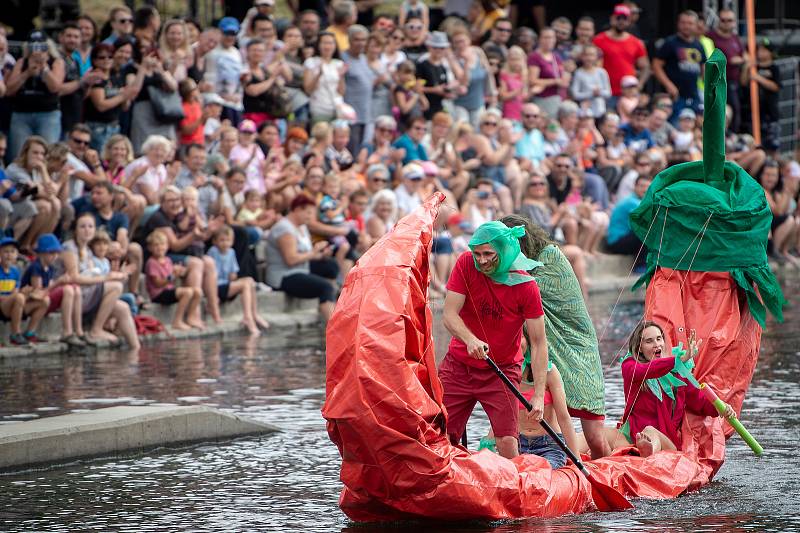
{"points": [[622, 9], [455, 219]]}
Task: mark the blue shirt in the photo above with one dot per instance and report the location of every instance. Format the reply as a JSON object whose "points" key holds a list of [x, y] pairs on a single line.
{"points": [[531, 146], [9, 280], [414, 151], [682, 63], [620, 223], [226, 264], [83, 65], [111, 225], [637, 142], [37, 269]]}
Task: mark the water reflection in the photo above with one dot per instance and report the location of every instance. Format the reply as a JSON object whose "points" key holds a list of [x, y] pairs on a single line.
{"points": [[289, 481]]}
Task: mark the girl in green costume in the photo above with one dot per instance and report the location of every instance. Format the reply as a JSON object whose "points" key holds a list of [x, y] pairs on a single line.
{"points": [[571, 338]]}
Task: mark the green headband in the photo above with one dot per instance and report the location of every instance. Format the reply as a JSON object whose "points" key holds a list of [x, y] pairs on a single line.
{"points": [[505, 242]]}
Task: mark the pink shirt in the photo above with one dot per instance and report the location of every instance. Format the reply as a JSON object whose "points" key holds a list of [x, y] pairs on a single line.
{"points": [[251, 162], [648, 410], [512, 108], [157, 269]]}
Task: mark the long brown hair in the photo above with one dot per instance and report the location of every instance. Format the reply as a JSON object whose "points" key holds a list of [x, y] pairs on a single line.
{"points": [[535, 240], [635, 342]]}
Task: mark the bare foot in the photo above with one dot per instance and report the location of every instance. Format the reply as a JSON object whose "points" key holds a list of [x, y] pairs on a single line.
{"points": [[217, 319], [196, 324], [261, 323], [252, 328], [103, 335], [644, 444], [181, 325]]}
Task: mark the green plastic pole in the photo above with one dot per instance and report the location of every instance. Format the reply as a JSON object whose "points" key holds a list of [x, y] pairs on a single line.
{"points": [[712, 397]]}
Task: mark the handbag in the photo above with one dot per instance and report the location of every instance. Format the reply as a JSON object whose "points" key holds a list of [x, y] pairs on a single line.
{"points": [[278, 101], [167, 106]]}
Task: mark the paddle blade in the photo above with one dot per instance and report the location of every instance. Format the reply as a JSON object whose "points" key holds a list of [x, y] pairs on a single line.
{"points": [[608, 498]]}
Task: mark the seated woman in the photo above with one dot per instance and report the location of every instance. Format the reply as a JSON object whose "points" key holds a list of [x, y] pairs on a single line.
{"points": [[294, 265], [657, 394]]}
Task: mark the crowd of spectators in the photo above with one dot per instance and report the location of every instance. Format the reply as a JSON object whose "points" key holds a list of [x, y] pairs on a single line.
{"points": [[269, 153]]}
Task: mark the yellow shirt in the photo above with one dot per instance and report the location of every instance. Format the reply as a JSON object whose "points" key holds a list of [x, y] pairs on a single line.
{"points": [[342, 41]]}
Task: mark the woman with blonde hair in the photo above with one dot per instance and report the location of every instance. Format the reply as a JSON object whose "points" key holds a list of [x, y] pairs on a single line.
{"points": [[175, 48], [478, 87], [116, 155], [514, 91]]}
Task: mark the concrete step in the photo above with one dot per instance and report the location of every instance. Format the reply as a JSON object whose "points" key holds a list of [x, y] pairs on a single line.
{"points": [[114, 430]]}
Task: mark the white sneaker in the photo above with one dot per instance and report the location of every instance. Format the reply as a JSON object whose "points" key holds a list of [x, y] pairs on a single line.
{"points": [[263, 287]]}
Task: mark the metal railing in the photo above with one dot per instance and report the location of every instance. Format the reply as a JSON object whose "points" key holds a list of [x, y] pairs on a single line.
{"points": [[788, 103]]}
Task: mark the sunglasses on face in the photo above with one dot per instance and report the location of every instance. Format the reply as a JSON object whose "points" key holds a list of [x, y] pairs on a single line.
{"points": [[124, 21], [530, 115], [489, 124], [414, 26], [80, 141], [563, 166]]}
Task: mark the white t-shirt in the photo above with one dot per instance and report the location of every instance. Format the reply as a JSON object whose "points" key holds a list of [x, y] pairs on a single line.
{"points": [[406, 202], [325, 96], [154, 177]]}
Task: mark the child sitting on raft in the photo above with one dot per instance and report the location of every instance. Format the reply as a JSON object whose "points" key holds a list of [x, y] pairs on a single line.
{"points": [[657, 393], [532, 437]]}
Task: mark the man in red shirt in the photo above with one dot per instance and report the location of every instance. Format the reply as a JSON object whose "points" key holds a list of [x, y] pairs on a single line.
{"points": [[490, 296], [623, 53]]}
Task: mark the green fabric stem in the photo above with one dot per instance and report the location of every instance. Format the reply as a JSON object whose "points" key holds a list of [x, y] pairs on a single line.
{"points": [[710, 215]]}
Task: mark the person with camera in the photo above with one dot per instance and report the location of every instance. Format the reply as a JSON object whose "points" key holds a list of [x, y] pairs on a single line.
{"points": [[17, 208], [29, 173], [35, 85]]}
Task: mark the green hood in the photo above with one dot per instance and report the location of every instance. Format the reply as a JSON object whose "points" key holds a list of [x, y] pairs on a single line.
{"points": [[505, 242]]}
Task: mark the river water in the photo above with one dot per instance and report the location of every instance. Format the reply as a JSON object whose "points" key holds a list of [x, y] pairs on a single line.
{"points": [[288, 481]]}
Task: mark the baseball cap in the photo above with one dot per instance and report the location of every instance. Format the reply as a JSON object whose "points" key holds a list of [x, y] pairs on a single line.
{"points": [[8, 241], [629, 81], [430, 168], [259, 3], [37, 36], [247, 126], [229, 25], [622, 10], [687, 113], [413, 171], [212, 98]]}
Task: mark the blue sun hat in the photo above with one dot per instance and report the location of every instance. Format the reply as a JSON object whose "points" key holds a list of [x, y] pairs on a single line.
{"points": [[48, 243]]}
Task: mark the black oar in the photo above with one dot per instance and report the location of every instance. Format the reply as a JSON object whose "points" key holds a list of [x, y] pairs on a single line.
{"points": [[605, 498]]}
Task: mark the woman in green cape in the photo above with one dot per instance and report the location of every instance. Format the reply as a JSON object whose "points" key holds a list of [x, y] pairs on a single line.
{"points": [[571, 338]]}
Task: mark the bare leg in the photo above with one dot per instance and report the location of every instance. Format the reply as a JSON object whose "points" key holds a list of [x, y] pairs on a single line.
{"points": [[242, 286], [210, 288], [135, 259], [194, 308], [12, 307], [260, 322], [38, 224], [184, 295], [507, 446], [77, 311], [595, 438], [326, 310], [36, 309], [21, 226], [67, 305], [506, 202], [194, 278], [111, 292], [122, 313], [570, 228], [55, 210]]}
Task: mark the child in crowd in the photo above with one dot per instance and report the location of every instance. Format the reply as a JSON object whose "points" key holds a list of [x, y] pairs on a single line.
{"points": [[684, 138], [410, 101], [191, 219], [332, 211], [590, 84], [101, 246], [630, 98], [160, 281], [16, 301], [43, 274], [229, 284], [553, 144], [514, 83], [253, 214], [212, 103]]}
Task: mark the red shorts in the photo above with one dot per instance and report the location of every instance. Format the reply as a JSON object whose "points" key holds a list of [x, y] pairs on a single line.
{"points": [[466, 385], [584, 414], [56, 295]]}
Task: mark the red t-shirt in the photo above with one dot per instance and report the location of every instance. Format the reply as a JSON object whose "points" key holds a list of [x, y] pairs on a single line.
{"points": [[192, 112], [619, 57], [157, 269], [503, 310]]}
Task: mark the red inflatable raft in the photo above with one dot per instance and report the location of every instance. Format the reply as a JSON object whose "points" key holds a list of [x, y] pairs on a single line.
{"points": [[384, 400]]}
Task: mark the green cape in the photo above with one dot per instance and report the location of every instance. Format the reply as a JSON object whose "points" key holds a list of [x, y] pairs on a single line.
{"points": [[505, 242], [710, 215]]}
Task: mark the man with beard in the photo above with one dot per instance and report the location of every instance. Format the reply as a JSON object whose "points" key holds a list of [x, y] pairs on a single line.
{"points": [[489, 298], [623, 54]]}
